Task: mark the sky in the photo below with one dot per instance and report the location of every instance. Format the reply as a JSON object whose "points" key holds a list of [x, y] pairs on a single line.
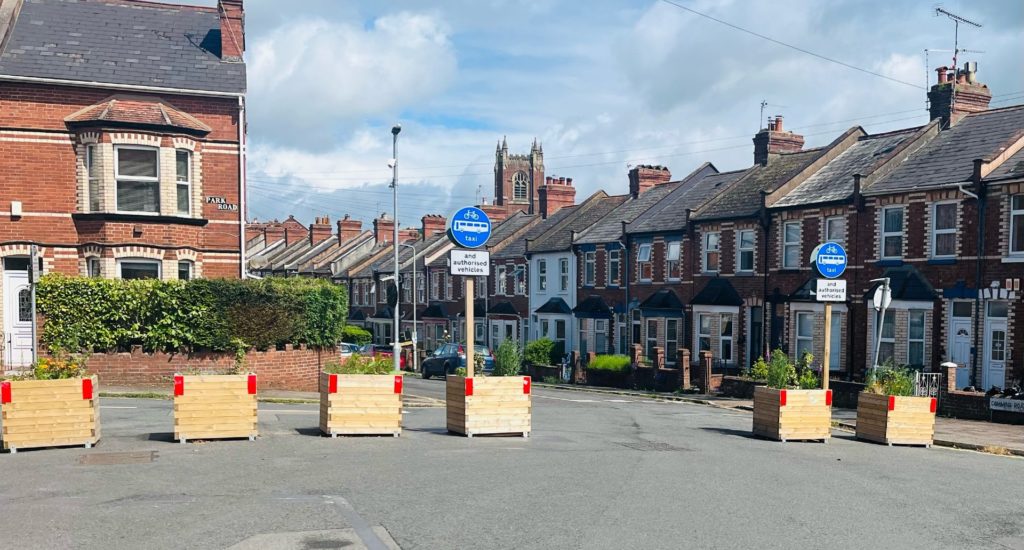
{"points": [[602, 84]]}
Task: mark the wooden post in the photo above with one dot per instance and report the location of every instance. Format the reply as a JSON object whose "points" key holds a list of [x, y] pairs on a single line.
{"points": [[825, 357], [705, 367], [684, 368], [470, 329]]}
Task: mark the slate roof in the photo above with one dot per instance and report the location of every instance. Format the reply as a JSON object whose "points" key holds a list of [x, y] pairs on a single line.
{"points": [[593, 307], [718, 292], [905, 283], [949, 157], [665, 298], [670, 213], [590, 212], [121, 42], [436, 310], [834, 182], [744, 197], [138, 111], [554, 305], [357, 315], [609, 227], [1013, 167], [518, 246], [507, 228], [503, 307]]}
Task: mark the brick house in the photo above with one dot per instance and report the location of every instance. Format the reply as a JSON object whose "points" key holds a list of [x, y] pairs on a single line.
{"points": [[508, 307], [127, 162]]}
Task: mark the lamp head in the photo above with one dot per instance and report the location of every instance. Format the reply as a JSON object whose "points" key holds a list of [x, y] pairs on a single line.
{"points": [[395, 129]]}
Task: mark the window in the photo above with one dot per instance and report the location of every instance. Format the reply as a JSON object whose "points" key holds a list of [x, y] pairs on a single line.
{"points": [[421, 293], [499, 280], [672, 262], [944, 230], [621, 334], [563, 274], [542, 274], [480, 288], [93, 172], [998, 309], [138, 269], [138, 179], [703, 332], [835, 230], [584, 336], [406, 289], [448, 286], [887, 350], [545, 329], [92, 267], [711, 252], [636, 327], [962, 309], [671, 341], [184, 270], [25, 305], [560, 331], [479, 332], [520, 278], [183, 175], [652, 338], [435, 287], [643, 261], [601, 336], [804, 334], [892, 232], [368, 291], [745, 250], [791, 245], [613, 267], [915, 339], [1017, 224], [520, 184], [725, 341], [589, 268]]}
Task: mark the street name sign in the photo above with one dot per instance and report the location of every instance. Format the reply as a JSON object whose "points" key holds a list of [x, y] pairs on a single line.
{"points": [[469, 227], [470, 262], [831, 290], [830, 259], [1008, 405]]}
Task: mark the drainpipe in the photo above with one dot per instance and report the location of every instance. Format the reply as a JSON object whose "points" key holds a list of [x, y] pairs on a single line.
{"points": [[767, 321], [852, 334], [625, 283], [979, 197], [241, 187]]}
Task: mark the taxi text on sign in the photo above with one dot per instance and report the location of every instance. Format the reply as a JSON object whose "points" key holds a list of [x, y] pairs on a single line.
{"points": [[831, 290], [470, 262]]}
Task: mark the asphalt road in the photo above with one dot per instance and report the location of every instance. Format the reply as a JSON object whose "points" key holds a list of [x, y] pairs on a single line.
{"points": [[597, 473]]}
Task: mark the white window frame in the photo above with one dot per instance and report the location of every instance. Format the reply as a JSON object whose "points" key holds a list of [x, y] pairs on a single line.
{"points": [[519, 279], [613, 276], [520, 178], [1016, 219], [892, 234], [600, 328], [449, 286], [500, 281], [708, 250], [435, 287], [589, 268], [94, 266], [191, 269], [157, 263], [421, 292], [673, 248], [563, 274], [480, 288], [650, 341], [788, 245], [542, 274], [406, 289], [890, 340], [701, 335], [723, 337], [803, 338], [186, 183], [829, 236], [911, 341], [672, 341], [935, 232], [118, 178], [643, 259], [94, 182], [741, 250]]}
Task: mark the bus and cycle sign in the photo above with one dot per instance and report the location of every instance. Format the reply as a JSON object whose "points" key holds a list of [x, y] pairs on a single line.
{"points": [[469, 227], [830, 259]]}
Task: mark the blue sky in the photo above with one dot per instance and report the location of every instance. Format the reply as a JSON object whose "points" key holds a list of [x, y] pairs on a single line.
{"points": [[602, 84]]}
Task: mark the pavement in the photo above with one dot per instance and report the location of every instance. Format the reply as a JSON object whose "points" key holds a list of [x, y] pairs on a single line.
{"points": [[599, 471]]}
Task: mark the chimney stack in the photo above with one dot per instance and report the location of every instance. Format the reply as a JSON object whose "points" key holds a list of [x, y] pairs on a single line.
{"points": [[383, 229], [957, 93], [348, 229], [294, 231], [555, 194], [319, 230], [232, 30], [408, 234], [773, 140], [273, 232], [646, 176], [434, 224]]}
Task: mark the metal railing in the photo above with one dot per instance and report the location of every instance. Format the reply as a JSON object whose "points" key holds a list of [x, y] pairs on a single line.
{"points": [[926, 384]]}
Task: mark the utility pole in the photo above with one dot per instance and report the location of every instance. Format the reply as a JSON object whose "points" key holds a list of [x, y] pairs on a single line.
{"points": [[396, 346]]}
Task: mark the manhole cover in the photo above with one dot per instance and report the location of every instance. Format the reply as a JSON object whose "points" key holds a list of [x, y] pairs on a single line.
{"points": [[135, 457], [651, 446]]}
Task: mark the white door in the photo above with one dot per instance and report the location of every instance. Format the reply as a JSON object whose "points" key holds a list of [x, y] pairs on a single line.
{"points": [[994, 373], [502, 330], [960, 349], [17, 313]]}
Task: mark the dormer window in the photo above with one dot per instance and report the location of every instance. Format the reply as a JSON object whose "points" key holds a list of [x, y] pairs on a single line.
{"points": [[137, 173]]}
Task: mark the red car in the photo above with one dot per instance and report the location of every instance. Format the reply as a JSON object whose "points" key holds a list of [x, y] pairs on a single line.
{"points": [[381, 351]]}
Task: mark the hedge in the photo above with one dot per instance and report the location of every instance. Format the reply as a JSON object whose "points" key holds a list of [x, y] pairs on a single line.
{"points": [[92, 314], [610, 363]]}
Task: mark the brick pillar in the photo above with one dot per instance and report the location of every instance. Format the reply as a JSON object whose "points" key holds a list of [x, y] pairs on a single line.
{"points": [[684, 367], [950, 370], [659, 358], [705, 370], [636, 355]]}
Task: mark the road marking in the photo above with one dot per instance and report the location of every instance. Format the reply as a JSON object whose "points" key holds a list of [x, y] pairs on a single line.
{"points": [[362, 529], [285, 411], [115, 407], [619, 401]]}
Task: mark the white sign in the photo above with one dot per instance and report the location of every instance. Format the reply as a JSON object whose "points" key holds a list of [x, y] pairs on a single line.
{"points": [[882, 298], [470, 262], [831, 290], [1009, 405]]}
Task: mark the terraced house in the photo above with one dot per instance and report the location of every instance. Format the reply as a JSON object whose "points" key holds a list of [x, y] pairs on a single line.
{"points": [[122, 144]]}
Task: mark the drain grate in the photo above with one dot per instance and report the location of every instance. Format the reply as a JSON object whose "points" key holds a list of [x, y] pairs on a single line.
{"points": [[105, 459], [651, 446]]}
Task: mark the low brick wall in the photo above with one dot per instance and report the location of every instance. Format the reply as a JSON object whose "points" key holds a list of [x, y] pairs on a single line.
{"points": [[742, 388], [844, 394], [966, 405], [608, 379], [539, 372], [288, 369]]}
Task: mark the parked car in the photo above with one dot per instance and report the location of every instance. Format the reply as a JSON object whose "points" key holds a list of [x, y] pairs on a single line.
{"points": [[449, 357], [382, 351], [348, 350]]}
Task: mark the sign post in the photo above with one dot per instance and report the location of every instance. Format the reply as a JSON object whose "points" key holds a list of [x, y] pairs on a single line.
{"points": [[469, 227], [881, 300], [830, 260]]}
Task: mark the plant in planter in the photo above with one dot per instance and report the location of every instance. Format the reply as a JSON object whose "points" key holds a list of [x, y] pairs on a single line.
{"points": [[508, 359], [53, 405], [785, 410], [491, 405], [888, 412], [216, 406], [360, 396]]}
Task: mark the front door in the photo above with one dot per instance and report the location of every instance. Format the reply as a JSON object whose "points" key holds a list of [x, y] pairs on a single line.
{"points": [[17, 313], [960, 349], [755, 335], [994, 372]]}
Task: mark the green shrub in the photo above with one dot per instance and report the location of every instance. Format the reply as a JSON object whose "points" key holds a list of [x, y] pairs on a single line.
{"points": [[356, 335], [460, 371], [759, 371], [538, 352], [610, 363], [890, 380], [807, 380], [359, 364], [781, 373], [508, 358]]}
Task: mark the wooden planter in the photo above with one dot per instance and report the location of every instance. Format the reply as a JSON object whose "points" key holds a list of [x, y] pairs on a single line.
{"points": [[49, 413], [896, 420], [214, 406], [489, 405], [360, 404], [792, 414]]}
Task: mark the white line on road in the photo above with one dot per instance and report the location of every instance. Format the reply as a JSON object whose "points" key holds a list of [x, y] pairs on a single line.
{"points": [[115, 407]]}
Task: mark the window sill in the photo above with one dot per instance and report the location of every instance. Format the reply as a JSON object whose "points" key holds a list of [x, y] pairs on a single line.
{"points": [[125, 217], [892, 262], [1013, 260], [745, 274], [942, 261]]}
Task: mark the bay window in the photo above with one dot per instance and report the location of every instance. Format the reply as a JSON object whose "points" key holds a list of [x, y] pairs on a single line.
{"points": [[92, 170], [804, 334], [183, 185], [138, 269], [915, 338], [137, 173]]}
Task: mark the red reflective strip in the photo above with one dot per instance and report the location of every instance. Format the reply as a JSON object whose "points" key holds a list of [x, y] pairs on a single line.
{"points": [[828, 398], [179, 385], [782, 398], [87, 388], [892, 402], [469, 387], [398, 384], [332, 383], [526, 385], [934, 405], [252, 384], [5, 392]]}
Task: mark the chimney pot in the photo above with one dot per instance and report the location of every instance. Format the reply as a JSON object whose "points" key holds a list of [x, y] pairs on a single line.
{"points": [[778, 123]]}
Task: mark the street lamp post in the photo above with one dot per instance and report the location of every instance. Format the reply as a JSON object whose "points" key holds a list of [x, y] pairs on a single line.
{"points": [[415, 332], [396, 346]]}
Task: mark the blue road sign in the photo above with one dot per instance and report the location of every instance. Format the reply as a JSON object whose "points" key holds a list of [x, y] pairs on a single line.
{"points": [[830, 259], [469, 227]]}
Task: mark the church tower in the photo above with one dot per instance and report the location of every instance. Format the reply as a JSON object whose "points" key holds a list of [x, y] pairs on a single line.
{"points": [[517, 178]]}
